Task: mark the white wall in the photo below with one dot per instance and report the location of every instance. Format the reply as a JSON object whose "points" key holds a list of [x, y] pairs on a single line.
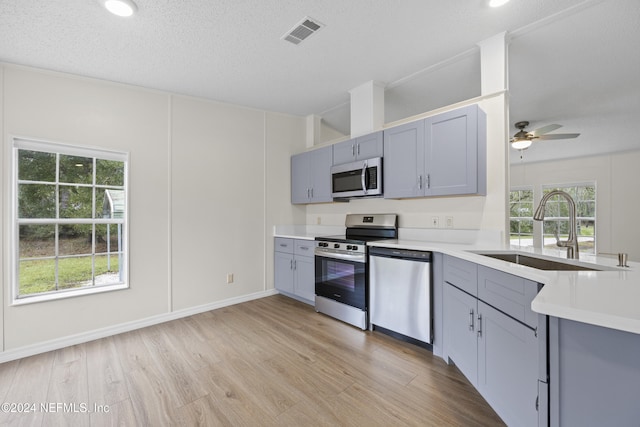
{"points": [[194, 165], [617, 206]]}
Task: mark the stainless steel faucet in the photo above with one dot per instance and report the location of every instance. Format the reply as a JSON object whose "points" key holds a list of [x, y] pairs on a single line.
{"points": [[572, 242]]}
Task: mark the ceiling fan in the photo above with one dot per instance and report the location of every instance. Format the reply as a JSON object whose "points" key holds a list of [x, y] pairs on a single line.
{"points": [[523, 139]]}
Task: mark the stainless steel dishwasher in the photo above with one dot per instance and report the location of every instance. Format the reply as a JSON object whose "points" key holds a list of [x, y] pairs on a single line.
{"points": [[400, 292]]}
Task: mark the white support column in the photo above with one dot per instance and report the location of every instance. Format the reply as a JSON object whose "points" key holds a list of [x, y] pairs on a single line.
{"points": [[493, 64], [494, 79], [314, 124], [367, 108]]}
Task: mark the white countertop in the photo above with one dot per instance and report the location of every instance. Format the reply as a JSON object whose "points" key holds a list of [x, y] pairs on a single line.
{"points": [[605, 298]]}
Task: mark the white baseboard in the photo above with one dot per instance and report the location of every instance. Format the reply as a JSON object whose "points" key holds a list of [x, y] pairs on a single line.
{"points": [[70, 340]]}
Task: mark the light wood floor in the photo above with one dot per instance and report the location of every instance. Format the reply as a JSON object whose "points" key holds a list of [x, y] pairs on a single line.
{"points": [[272, 361]]}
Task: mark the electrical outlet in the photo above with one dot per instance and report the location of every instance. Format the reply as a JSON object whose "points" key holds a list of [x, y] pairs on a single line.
{"points": [[449, 222], [435, 221], [230, 278], [319, 220]]}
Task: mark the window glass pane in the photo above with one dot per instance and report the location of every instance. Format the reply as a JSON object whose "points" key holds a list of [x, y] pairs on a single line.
{"points": [[36, 166], [526, 196], [37, 241], [109, 172], [108, 238], [108, 269], [36, 276], [75, 239], [75, 272], [76, 170], [75, 202], [110, 203], [36, 201]]}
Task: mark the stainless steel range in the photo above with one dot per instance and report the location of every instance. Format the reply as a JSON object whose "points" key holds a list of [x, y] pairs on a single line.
{"points": [[342, 272]]}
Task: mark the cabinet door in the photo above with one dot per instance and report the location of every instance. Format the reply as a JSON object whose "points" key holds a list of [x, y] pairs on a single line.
{"points": [[460, 342], [451, 152], [369, 146], [300, 188], [283, 271], [305, 278], [508, 367], [404, 161], [344, 152], [320, 175]]}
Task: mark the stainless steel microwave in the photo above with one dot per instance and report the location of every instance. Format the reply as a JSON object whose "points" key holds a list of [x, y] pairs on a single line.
{"points": [[357, 179]]}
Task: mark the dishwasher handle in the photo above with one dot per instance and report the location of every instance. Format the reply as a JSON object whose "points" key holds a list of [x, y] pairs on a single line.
{"points": [[409, 254]]}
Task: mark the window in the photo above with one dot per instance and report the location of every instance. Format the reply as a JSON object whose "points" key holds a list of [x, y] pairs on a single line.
{"points": [[69, 220], [521, 217], [556, 218]]}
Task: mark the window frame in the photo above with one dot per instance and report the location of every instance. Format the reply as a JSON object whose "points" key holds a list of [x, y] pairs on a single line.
{"points": [[25, 143]]}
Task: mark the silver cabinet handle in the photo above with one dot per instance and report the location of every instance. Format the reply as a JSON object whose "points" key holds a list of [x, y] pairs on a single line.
{"points": [[295, 264], [308, 193], [353, 150], [471, 318], [362, 178], [304, 248], [419, 182], [290, 264], [479, 325], [312, 193], [428, 180], [358, 149]]}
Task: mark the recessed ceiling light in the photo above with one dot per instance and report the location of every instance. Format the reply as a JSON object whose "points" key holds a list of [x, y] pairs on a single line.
{"points": [[497, 3], [120, 7]]}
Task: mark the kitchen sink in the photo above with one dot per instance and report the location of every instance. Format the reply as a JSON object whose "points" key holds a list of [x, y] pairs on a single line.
{"points": [[540, 263]]}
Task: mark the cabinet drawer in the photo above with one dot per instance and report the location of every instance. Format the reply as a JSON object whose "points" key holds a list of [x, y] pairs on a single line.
{"points": [[508, 293], [283, 244], [461, 274], [304, 247]]}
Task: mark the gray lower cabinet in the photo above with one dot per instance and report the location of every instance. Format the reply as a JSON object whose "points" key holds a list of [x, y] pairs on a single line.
{"points": [[508, 367], [594, 375], [438, 156], [494, 339], [294, 268], [311, 176]]}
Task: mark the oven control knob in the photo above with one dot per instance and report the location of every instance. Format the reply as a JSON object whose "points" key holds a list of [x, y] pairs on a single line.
{"points": [[354, 247], [349, 247], [336, 245], [323, 244]]}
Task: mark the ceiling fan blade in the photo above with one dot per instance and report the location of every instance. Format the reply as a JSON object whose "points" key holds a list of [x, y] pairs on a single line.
{"points": [[559, 136], [545, 129]]}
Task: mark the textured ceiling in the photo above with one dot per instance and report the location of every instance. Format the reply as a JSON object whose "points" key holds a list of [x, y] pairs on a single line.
{"points": [[230, 50]]}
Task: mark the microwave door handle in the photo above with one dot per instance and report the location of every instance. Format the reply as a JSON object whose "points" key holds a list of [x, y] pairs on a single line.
{"points": [[363, 179]]}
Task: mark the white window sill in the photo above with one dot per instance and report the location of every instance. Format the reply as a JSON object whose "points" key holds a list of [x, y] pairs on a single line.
{"points": [[68, 294]]}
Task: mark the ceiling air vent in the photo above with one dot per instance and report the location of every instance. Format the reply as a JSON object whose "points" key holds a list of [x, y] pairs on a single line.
{"points": [[302, 30]]}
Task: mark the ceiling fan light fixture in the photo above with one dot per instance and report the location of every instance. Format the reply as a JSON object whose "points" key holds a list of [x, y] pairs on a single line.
{"points": [[521, 143], [120, 7]]}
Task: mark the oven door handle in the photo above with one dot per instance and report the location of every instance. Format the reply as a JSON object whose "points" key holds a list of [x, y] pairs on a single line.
{"points": [[342, 256]]}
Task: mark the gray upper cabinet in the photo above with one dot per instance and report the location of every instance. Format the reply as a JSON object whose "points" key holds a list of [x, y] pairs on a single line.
{"points": [[403, 160], [360, 148], [311, 176], [438, 156]]}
